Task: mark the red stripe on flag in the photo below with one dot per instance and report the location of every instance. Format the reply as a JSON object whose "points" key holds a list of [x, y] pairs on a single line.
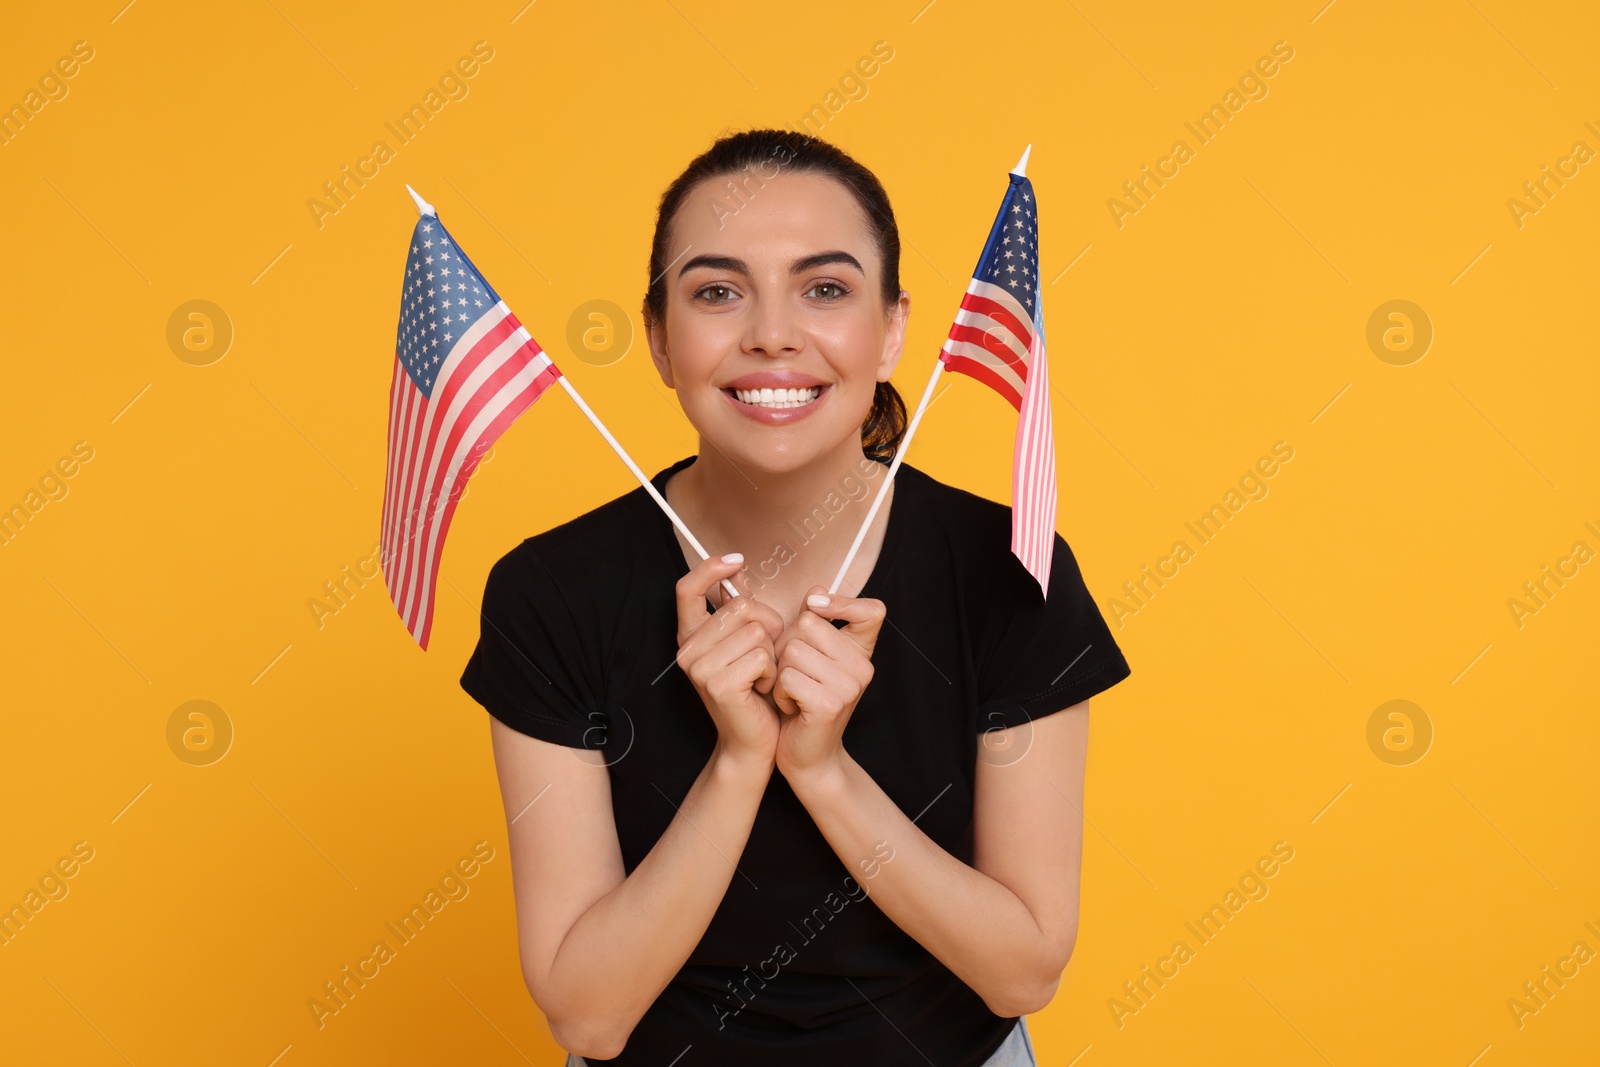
{"points": [[984, 373], [394, 437], [986, 340], [1001, 314], [417, 411], [440, 457], [1033, 473], [438, 405], [410, 430], [520, 404]]}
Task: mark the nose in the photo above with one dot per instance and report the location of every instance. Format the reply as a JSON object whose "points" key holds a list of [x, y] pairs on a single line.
{"points": [[772, 329]]}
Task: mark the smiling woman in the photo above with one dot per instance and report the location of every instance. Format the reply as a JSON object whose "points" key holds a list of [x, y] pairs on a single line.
{"points": [[714, 765]]}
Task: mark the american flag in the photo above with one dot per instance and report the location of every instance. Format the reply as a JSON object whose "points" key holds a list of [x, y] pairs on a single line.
{"points": [[464, 369], [998, 338]]}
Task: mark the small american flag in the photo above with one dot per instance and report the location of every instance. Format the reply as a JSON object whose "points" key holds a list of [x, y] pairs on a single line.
{"points": [[998, 338], [464, 369]]}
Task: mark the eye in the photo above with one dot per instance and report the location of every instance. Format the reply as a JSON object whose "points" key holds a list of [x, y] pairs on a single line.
{"points": [[840, 292], [699, 294]]}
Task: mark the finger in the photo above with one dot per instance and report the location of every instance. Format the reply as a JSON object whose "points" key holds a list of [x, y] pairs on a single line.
{"points": [[708, 653], [730, 621], [799, 691], [737, 678], [692, 588], [831, 659], [810, 661], [863, 617], [718, 594]]}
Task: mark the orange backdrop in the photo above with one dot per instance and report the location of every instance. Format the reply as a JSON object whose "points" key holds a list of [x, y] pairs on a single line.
{"points": [[1351, 244]]}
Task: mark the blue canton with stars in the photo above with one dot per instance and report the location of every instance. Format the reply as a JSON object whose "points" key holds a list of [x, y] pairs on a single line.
{"points": [[443, 297], [1010, 259]]}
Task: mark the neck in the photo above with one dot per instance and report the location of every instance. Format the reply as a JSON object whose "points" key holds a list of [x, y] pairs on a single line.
{"points": [[814, 510]]}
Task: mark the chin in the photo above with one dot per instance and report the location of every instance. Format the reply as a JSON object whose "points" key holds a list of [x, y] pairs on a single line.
{"points": [[775, 452]]}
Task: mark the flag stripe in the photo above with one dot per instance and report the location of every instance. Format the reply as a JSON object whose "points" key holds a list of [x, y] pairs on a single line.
{"points": [[468, 348], [985, 373], [997, 343], [987, 301], [508, 390], [411, 433], [473, 391], [524, 397], [444, 407], [395, 396]]}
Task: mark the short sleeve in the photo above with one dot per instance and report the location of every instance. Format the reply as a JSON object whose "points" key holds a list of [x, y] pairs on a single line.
{"points": [[530, 669], [1041, 655]]}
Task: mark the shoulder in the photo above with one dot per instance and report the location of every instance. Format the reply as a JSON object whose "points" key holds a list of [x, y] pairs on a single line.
{"points": [[586, 551], [977, 529], [974, 533]]}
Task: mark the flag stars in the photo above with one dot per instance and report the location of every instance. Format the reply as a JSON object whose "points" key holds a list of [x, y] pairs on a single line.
{"points": [[441, 297]]}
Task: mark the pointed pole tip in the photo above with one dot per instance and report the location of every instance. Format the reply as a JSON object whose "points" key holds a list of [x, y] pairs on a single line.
{"points": [[1022, 164], [423, 207]]}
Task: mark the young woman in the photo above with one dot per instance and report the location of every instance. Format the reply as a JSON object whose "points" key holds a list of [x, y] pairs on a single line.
{"points": [[785, 827]]}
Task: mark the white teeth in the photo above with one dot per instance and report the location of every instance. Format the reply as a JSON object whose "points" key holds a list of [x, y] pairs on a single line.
{"points": [[778, 398]]}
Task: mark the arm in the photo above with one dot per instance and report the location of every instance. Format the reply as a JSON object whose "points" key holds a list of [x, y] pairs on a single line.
{"points": [[597, 948], [1007, 925]]}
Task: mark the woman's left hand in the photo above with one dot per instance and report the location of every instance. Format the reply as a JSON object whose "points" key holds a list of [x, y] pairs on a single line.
{"points": [[822, 672]]}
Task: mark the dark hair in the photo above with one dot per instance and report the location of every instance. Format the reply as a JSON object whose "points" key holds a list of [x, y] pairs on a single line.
{"points": [[763, 150]]}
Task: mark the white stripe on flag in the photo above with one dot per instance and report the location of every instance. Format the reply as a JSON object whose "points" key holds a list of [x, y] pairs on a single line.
{"points": [[1033, 483], [421, 417], [422, 478], [504, 397]]}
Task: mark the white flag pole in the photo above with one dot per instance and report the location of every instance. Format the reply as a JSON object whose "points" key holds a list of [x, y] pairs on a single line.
{"points": [[900, 454], [938, 367], [649, 487], [425, 208]]}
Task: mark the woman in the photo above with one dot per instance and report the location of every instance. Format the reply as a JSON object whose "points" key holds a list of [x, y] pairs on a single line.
{"points": [[785, 827]]}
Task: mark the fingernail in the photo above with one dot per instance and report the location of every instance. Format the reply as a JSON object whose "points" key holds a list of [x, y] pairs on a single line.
{"points": [[733, 557], [817, 600]]}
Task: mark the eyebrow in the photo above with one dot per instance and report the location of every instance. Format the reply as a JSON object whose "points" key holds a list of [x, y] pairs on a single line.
{"points": [[800, 266]]}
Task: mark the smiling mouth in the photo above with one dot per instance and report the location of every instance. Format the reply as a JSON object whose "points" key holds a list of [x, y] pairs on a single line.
{"points": [[777, 399]]}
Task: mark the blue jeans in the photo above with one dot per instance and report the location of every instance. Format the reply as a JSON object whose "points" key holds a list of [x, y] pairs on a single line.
{"points": [[1015, 1051]]}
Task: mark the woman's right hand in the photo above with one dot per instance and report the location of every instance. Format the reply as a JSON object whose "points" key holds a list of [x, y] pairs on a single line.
{"points": [[730, 659]]}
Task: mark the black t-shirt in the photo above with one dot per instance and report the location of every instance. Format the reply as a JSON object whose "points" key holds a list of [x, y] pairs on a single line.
{"points": [[580, 621]]}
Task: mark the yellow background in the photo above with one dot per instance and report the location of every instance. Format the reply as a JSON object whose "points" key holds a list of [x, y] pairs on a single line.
{"points": [[1229, 313]]}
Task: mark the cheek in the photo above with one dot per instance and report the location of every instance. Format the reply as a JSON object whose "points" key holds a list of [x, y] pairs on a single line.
{"points": [[698, 346]]}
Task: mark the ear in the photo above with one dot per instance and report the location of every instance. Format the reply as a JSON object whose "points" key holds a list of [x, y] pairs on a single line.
{"points": [[656, 335], [895, 339]]}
